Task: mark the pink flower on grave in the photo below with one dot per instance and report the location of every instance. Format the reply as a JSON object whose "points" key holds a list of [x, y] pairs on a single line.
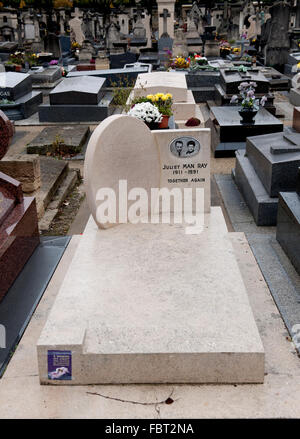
{"points": [[53, 62]]}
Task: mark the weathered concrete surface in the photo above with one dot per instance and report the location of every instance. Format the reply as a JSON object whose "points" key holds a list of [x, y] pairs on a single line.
{"points": [[277, 397]]}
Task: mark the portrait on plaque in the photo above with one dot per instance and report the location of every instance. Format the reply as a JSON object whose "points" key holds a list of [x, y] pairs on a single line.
{"points": [[184, 147]]}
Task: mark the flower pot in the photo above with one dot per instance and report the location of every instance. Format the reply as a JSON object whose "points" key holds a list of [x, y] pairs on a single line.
{"points": [[164, 123], [152, 125], [18, 68], [247, 116]]}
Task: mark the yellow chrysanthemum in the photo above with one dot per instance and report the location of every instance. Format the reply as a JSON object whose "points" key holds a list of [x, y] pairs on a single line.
{"points": [[150, 97]]}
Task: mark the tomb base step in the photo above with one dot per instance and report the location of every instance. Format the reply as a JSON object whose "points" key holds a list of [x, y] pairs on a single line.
{"points": [[262, 207], [23, 107], [164, 312]]}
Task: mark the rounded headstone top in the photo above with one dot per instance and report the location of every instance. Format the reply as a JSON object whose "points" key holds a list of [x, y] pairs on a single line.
{"points": [[122, 148]]}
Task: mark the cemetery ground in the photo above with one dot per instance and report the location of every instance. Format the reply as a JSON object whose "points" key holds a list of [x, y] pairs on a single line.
{"points": [[22, 396]]}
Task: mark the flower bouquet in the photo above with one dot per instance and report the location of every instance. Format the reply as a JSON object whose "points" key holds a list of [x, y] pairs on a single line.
{"points": [[250, 104], [146, 112], [181, 63], [163, 102]]}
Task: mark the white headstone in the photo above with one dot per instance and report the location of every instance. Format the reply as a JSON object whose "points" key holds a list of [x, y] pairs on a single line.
{"points": [[162, 82], [121, 148]]}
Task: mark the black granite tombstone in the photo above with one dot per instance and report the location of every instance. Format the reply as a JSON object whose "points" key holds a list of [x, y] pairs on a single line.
{"points": [[16, 88], [230, 80], [288, 224], [79, 99], [228, 134], [119, 61]]}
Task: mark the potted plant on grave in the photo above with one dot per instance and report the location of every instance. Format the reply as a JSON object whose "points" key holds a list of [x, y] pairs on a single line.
{"points": [[250, 104], [164, 104], [225, 48], [146, 112]]}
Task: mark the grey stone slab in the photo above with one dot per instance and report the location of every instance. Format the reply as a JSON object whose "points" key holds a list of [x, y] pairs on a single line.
{"points": [[202, 79], [72, 137], [288, 226], [14, 85], [78, 91], [261, 205], [48, 75], [279, 171]]}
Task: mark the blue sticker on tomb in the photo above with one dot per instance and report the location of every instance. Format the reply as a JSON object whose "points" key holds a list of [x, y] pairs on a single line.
{"points": [[60, 365]]}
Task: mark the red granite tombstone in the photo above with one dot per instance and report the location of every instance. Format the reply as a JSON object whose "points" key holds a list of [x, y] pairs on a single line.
{"points": [[19, 234], [6, 133], [296, 119]]}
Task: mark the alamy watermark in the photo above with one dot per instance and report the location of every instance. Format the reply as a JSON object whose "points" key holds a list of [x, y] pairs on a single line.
{"points": [[180, 205]]}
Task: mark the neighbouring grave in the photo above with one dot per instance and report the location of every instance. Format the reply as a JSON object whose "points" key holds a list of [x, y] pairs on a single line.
{"points": [[230, 80], [269, 165], [288, 224], [68, 139], [19, 234], [17, 100], [184, 328], [80, 99], [229, 134], [45, 77]]}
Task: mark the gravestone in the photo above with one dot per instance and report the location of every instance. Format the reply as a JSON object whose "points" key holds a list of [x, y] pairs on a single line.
{"points": [[6, 133], [229, 135], [19, 234], [130, 338], [76, 33], [267, 167], [288, 224], [76, 100], [165, 47], [278, 42], [45, 77], [230, 80], [119, 61], [17, 89], [180, 47]]}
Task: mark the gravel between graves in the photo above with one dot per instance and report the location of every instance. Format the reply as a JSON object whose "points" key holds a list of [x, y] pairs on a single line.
{"points": [[67, 213]]}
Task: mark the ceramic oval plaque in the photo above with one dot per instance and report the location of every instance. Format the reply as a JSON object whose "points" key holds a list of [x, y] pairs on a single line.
{"points": [[184, 147]]}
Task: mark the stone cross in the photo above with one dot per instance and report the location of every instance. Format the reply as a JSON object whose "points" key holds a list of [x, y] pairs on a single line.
{"points": [[165, 16]]}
